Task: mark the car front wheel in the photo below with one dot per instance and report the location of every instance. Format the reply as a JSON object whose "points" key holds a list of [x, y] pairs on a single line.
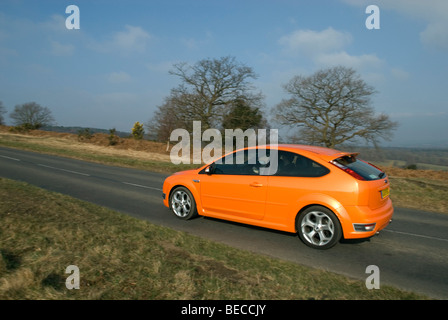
{"points": [[319, 228], [182, 203]]}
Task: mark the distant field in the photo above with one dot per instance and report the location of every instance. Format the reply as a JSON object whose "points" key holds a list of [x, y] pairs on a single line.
{"points": [[425, 159], [403, 164], [145, 155], [418, 189], [426, 166]]}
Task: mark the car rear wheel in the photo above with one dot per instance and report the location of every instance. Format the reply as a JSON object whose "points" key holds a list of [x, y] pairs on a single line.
{"points": [[319, 228], [182, 203]]}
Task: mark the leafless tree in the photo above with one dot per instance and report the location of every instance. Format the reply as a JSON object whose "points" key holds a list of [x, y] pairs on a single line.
{"points": [[2, 112], [333, 106], [210, 87], [166, 118], [31, 116]]}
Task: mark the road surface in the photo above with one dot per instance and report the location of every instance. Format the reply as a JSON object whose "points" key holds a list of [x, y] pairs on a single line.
{"points": [[411, 253]]}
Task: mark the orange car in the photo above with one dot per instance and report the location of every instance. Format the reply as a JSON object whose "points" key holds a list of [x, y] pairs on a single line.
{"points": [[322, 194]]}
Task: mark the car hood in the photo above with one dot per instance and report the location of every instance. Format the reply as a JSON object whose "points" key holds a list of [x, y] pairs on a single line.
{"points": [[184, 172]]}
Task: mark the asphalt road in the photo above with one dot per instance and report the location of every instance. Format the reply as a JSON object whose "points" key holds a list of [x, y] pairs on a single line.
{"points": [[411, 253]]}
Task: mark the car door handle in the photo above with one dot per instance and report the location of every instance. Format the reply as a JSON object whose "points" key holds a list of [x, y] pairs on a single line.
{"points": [[256, 184]]}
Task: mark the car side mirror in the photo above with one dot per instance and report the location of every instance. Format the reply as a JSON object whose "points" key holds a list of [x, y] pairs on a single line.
{"points": [[209, 169]]}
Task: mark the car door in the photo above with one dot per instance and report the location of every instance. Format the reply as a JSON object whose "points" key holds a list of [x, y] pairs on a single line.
{"points": [[296, 177], [234, 188]]}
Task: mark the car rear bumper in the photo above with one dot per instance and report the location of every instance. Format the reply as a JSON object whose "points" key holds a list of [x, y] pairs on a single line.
{"points": [[365, 222]]}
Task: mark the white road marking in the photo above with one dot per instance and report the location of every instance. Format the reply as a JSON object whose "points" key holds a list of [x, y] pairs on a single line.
{"points": [[140, 186], [65, 170], [415, 235], [158, 189], [10, 158]]}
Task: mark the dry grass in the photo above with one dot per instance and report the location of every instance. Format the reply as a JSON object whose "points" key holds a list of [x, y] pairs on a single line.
{"points": [[425, 190], [99, 143], [119, 257], [145, 155], [421, 174]]}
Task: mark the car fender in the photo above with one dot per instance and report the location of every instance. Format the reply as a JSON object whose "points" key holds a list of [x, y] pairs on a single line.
{"points": [[191, 185], [326, 201]]}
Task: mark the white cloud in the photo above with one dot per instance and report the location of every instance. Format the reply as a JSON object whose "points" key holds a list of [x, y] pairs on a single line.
{"points": [[310, 42], [56, 24], [118, 77], [194, 43], [115, 104], [436, 35], [327, 48], [132, 39], [161, 67], [400, 74], [343, 58], [432, 12], [59, 49], [418, 114]]}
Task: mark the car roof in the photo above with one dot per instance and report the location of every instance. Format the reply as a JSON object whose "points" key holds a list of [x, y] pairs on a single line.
{"points": [[321, 152]]}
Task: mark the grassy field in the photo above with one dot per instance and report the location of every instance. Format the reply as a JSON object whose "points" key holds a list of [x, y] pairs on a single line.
{"points": [[145, 155], [119, 257], [419, 165]]}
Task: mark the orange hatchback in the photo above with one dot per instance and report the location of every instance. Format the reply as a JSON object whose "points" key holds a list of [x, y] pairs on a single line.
{"points": [[321, 194]]}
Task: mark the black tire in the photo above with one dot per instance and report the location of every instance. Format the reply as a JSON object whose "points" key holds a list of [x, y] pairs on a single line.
{"points": [[318, 227], [182, 203]]}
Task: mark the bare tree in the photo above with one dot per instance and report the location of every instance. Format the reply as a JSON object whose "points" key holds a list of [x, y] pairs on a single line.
{"points": [[2, 112], [166, 118], [209, 87], [31, 116], [333, 106]]}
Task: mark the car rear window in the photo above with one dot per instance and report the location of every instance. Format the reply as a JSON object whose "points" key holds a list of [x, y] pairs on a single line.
{"points": [[361, 167]]}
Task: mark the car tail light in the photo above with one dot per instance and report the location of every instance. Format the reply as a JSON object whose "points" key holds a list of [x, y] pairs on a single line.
{"points": [[362, 227], [348, 170]]}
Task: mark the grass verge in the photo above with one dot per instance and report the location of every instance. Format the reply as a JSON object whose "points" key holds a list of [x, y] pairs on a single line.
{"points": [[84, 151], [120, 257], [420, 194]]}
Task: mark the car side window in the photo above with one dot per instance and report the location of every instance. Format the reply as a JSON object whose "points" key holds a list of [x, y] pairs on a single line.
{"points": [[294, 165], [242, 162]]}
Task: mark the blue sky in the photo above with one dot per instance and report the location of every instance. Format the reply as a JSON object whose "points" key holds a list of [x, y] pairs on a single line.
{"points": [[113, 71]]}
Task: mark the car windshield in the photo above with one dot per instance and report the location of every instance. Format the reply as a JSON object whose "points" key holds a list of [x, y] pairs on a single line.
{"points": [[362, 168]]}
